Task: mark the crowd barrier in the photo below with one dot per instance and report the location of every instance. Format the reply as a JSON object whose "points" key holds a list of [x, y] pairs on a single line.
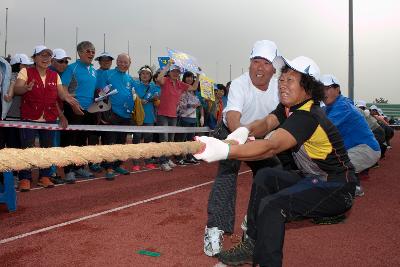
{"points": [[18, 159]]}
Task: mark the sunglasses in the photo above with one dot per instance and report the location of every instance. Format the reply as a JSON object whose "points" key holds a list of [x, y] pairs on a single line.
{"points": [[62, 61]]}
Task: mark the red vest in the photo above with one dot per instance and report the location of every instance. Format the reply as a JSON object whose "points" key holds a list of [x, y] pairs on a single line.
{"points": [[42, 98]]}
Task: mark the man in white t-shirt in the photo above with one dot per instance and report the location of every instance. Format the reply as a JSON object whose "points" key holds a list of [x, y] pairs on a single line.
{"points": [[252, 96]]}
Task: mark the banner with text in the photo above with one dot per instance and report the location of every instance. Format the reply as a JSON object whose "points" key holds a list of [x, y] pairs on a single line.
{"points": [[163, 61], [207, 88]]}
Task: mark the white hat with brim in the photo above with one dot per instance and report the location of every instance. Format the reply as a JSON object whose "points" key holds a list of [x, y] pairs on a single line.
{"points": [[373, 107], [40, 48], [300, 64], [22, 59], [329, 79], [361, 103], [175, 67], [60, 53], [104, 54], [15, 59], [264, 49], [145, 69]]}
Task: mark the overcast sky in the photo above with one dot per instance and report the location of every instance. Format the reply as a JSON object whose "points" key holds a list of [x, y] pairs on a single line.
{"points": [[222, 32]]}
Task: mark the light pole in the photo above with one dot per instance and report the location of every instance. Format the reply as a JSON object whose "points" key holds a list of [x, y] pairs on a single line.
{"points": [[44, 31], [150, 56], [351, 52], [76, 43], [104, 42], [5, 41], [216, 71]]}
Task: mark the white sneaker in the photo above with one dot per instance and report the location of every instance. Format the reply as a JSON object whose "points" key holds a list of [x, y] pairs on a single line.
{"points": [[165, 167], [359, 191], [213, 241], [244, 228], [171, 164]]}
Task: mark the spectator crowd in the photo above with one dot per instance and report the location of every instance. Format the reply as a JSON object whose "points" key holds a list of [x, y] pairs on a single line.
{"points": [[47, 87]]}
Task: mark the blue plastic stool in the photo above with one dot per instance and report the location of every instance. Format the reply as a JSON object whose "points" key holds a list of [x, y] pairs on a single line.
{"points": [[7, 192]]}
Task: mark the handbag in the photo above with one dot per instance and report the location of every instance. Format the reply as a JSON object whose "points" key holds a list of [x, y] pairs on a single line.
{"points": [[138, 112]]}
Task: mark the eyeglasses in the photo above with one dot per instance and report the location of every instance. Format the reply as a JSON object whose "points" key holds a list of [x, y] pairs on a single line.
{"points": [[62, 61], [88, 51], [44, 55]]}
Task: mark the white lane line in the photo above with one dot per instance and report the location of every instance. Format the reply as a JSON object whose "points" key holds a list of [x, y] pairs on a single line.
{"points": [[55, 226]]}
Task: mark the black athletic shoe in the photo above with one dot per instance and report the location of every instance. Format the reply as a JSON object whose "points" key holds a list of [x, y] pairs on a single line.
{"points": [[240, 254], [329, 220], [57, 179], [192, 161], [181, 162]]}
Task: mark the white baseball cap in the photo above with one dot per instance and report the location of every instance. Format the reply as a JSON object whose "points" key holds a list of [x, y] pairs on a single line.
{"points": [[60, 53], [40, 48], [145, 68], [22, 59], [175, 67], [265, 49], [361, 103], [329, 79], [301, 64], [104, 54], [373, 107]]}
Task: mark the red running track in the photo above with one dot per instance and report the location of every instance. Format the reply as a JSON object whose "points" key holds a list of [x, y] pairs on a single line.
{"points": [[173, 225]]}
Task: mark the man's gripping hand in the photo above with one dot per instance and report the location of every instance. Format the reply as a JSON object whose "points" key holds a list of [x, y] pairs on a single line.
{"points": [[239, 135], [213, 149]]}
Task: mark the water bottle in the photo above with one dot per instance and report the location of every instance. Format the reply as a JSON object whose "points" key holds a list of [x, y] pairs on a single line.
{"points": [[107, 88], [148, 95]]}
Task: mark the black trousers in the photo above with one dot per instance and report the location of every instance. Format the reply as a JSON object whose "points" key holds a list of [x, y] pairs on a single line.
{"points": [[222, 198], [111, 138], [77, 138], [279, 196]]}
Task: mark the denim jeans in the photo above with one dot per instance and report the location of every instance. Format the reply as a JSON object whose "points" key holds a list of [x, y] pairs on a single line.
{"points": [[166, 137], [78, 138], [111, 138], [147, 138]]}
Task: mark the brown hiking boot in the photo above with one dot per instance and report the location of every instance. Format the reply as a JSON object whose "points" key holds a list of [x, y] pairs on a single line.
{"points": [[45, 182], [24, 185]]}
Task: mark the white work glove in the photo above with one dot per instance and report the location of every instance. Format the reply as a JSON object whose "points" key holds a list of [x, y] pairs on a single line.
{"points": [[214, 150], [239, 135]]}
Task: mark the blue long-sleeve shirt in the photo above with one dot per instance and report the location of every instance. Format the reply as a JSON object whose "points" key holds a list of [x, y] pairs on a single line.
{"points": [[351, 124], [122, 102]]}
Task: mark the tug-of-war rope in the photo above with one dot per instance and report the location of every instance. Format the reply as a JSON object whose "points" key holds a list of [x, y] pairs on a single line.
{"points": [[22, 159]]}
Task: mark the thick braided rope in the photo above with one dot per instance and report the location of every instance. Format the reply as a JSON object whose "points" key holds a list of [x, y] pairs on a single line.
{"points": [[22, 159]]}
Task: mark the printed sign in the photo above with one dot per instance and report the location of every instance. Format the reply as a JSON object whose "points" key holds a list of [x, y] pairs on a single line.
{"points": [[163, 61], [207, 88], [184, 60]]}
